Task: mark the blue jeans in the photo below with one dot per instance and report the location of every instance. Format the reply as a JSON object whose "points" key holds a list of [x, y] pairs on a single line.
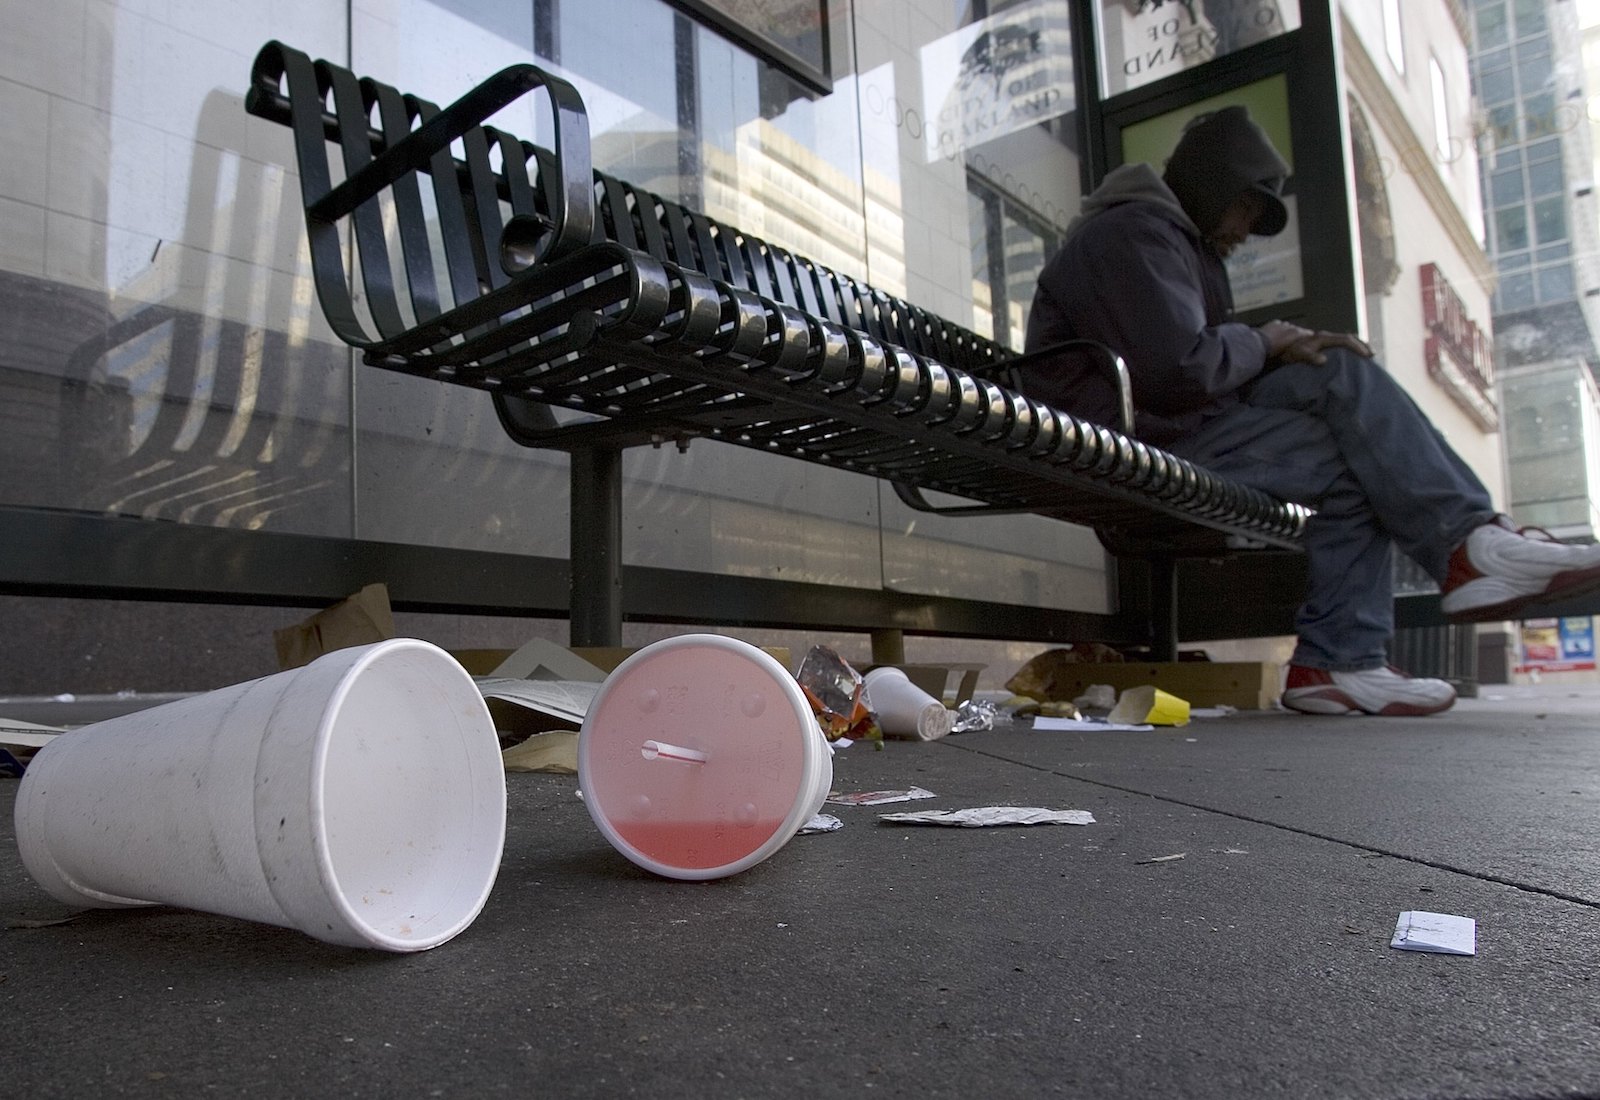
{"points": [[1345, 439]]}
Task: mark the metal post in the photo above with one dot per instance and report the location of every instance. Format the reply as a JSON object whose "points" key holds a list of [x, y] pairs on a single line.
{"points": [[596, 555], [1163, 609], [888, 646]]}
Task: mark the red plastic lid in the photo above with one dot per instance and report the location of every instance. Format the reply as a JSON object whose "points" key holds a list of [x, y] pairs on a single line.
{"points": [[695, 758]]}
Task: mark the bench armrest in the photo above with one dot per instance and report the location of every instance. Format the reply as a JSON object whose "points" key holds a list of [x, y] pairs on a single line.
{"points": [[570, 197], [1110, 363]]}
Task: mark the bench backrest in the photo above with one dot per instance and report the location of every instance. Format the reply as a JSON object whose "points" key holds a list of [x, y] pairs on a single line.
{"points": [[496, 177], [640, 219], [576, 290]]}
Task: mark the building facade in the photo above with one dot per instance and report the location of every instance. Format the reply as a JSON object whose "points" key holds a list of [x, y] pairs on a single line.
{"points": [[1538, 168]]}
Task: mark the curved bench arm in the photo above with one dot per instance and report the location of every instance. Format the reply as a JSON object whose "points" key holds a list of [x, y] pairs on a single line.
{"points": [[571, 203], [1111, 365]]}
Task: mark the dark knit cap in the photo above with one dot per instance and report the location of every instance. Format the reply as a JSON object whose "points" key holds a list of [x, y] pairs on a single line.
{"points": [[1220, 156]]}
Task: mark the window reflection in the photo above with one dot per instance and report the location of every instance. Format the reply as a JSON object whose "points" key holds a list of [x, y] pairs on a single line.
{"points": [[1146, 40], [164, 354]]}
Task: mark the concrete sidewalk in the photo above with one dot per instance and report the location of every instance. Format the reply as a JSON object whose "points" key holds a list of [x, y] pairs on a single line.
{"points": [[928, 962]]}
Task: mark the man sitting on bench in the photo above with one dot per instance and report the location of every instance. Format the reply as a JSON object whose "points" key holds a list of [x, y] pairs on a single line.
{"points": [[1307, 416]]}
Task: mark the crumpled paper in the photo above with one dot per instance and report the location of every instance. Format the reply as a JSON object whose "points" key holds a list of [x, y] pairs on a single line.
{"points": [[973, 715], [833, 689], [981, 816], [1046, 676]]}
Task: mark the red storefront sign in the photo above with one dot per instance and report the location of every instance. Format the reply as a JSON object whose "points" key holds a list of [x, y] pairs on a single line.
{"points": [[1457, 352]]}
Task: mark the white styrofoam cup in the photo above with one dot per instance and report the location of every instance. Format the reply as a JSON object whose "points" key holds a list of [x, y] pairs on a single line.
{"points": [[360, 799], [904, 709]]}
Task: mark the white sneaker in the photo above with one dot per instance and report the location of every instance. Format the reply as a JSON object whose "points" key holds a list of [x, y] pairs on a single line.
{"points": [[1499, 570], [1384, 691]]}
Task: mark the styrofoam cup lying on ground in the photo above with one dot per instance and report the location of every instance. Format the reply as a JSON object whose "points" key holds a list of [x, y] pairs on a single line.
{"points": [[700, 757], [904, 709], [360, 799]]}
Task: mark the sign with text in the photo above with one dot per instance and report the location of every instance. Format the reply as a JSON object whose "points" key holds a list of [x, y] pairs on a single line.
{"points": [[1557, 645], [996, 76], [1145, 40], [1457, 351]]}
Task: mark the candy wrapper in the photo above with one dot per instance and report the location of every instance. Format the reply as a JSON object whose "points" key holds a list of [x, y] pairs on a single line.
{"points": [[974, 714], [834, 691]]}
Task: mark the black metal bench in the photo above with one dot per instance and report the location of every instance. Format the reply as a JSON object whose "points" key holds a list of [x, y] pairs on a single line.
{"points": [[601, 316]]}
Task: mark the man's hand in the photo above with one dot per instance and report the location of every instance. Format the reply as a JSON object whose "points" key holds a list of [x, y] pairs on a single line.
{"points": [[1289, 343]]}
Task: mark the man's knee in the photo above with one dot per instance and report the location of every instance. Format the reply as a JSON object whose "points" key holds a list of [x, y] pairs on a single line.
{"points": [[1306, 385], [1345, 359]]}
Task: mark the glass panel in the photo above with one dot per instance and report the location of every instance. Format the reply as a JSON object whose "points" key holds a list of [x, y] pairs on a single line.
{"points": [[983, 292], [1516, 292], [1545, 178], [1507, 187], [1141, 41], [1511, 228], [1503, 123], [1529, 16], [1555, 284], [1544, 150], [1550, 219], [1026, 248], [1512, 261], [161, 353], [1532, 48], [1264, 270], [980, 98], [1534, 74], [1539, 115], [1496, 86], [1491, 22], [678, 109]]}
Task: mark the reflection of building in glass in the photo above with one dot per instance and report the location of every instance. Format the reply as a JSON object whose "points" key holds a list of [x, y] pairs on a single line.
{"points": [[1538, 181], [1552, 435], [773, 186]]}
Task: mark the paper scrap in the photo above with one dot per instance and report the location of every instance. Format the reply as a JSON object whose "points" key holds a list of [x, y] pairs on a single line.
{"points": [[1097, 697], [568, 700], [554, 751], [879, 798], [1162, 859], [27, 735], [981, 816], [1090, 725], [542, 659], [1440, 933], [357, 620], [1221, 710], [821, 823]]}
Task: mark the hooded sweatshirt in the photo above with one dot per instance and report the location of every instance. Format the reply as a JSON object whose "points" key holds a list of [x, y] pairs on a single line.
{"points": [[1136, 274]]}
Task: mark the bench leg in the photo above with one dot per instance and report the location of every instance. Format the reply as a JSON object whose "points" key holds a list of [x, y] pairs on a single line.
{"points": [[595, 610], [889, 646], [1163, 609]]}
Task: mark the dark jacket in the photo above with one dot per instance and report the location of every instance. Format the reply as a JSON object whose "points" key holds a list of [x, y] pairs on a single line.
{"points": [[1135, 274]]}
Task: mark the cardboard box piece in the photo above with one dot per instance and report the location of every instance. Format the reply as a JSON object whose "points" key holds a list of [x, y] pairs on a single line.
{"points": [[1245, 685]]}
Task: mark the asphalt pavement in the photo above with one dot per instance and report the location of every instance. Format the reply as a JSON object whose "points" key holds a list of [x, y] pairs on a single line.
{"points": [[1221, 930]]}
